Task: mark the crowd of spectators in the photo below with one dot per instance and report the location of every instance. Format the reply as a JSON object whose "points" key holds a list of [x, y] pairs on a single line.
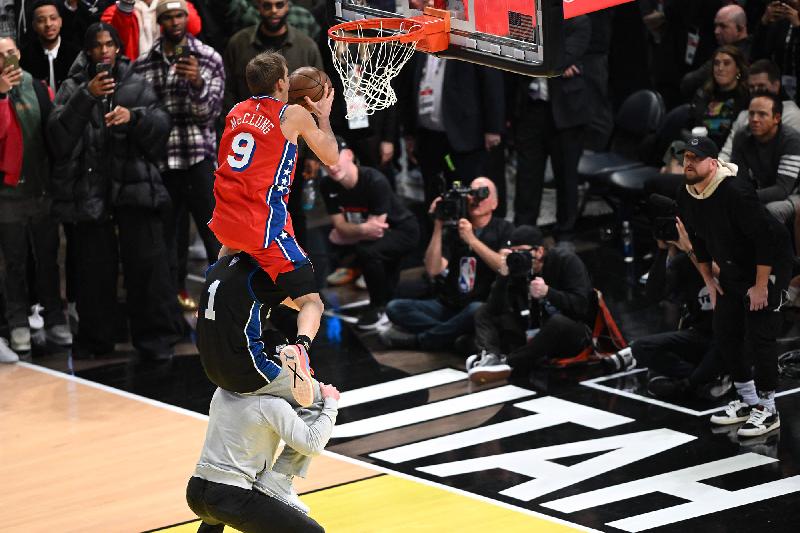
{"points": [[108, 136]]}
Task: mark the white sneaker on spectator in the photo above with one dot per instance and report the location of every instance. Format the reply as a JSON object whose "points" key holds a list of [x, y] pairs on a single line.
{"points": [[361, 283], [736, 412], [280, 487], [475, 359], [7, 355], [21, 340], [59, 335], [35, 320], [491, 367]]}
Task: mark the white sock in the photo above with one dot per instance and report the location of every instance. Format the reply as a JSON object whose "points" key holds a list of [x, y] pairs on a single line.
{"points": [[747, 392], [767, 399]]}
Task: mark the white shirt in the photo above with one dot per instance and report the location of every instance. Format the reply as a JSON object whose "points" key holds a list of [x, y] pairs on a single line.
{"points": [[51, 55], [430, 94]]}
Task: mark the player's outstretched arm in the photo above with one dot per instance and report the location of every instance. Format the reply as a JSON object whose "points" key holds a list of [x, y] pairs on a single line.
{"points": [[298, 122]]}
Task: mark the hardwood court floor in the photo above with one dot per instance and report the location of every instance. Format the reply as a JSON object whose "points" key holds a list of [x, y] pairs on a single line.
{"points": [[389, 504], [78, 456]]}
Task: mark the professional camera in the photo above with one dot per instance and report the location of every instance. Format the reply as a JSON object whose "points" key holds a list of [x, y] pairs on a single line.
{"points": [[453, 205], [620, 361], [520, 264], [662, 211]]}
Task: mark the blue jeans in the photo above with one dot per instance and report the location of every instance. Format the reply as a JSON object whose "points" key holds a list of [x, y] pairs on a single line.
{"points": [[436, 325]]}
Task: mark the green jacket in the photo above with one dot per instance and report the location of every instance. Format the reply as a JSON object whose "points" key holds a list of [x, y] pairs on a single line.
{"points": [[239, 14], [31, 104], [298, 49]]}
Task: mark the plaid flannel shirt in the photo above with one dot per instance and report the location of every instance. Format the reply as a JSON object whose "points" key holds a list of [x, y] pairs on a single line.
{"points": [[193, 111]]}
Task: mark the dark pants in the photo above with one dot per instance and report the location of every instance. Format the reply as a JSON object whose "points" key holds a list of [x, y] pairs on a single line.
{"points": [[537, 137], [437, 326], [28, 230], [431, 147], [380, 260], [249, 511], [559, 337], [687, 353], [151, 304], [497, 333], [191, 192], [747, 339]]}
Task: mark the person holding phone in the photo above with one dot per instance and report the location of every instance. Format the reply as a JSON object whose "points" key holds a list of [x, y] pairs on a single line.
{"points": [[25, 186], [107, 131], [192, 92]]}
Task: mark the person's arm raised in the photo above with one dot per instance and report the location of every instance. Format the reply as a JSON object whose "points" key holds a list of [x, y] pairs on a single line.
{"points": [[298, 122]]}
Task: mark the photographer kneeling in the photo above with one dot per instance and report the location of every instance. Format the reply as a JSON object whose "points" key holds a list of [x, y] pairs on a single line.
{"points": [[537, 288], [462, 257]]}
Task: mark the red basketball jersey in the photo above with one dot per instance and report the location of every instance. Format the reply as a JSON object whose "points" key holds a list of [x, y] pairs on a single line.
{"points": [[255, 170]]}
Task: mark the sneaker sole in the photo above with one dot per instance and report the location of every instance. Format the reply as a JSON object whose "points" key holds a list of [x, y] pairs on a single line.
{"points": [[302, 385], [489, 373], [375, 325], [758, 432], [21, 347], [724, 421]]}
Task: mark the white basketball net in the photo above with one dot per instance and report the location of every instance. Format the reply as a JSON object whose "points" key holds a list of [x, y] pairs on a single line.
{"points": [[367, 69]]}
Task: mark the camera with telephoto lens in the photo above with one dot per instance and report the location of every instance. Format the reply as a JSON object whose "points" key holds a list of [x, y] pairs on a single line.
{"points": [[662, 211], [453, 205], [620, 361], [520, 264]]}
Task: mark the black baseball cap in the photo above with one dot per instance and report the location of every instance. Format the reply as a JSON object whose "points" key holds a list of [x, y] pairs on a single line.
{"points": [[341, 143], [526, 235], [702, 147]]}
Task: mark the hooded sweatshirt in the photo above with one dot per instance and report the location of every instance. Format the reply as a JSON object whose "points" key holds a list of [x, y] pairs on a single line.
{"points": [[727, 224]]}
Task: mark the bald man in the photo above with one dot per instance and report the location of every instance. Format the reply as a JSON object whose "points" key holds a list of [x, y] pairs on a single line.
{"points": [[371, 223], [462, 260], [730, 27]]}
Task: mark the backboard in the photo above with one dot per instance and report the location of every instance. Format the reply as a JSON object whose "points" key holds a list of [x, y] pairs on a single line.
{"points": [[523, 36]]}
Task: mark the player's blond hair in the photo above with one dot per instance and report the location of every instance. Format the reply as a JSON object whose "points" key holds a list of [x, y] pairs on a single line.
{"points": [[263, 72]]}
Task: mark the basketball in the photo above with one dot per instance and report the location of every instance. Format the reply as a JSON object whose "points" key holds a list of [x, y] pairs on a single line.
{"points": [[307, 81]]}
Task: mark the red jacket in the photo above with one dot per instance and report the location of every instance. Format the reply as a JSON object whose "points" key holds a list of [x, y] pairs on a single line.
{"points": [[127, 25], [11, 146], [10, 143]]}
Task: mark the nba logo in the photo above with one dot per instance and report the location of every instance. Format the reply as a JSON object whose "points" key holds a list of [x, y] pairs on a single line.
{"points": [[466, 274]]}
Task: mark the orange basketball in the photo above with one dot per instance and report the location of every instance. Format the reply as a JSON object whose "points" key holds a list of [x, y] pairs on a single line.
{"points": [[307, 81]]}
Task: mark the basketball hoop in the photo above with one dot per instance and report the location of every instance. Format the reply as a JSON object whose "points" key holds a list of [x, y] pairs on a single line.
{"points": [[369, 53]]}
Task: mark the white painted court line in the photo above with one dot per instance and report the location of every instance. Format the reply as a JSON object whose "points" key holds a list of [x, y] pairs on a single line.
{"points": [[594, 383], [357, 462], [196, 278], [400, 386], [430, 411]]}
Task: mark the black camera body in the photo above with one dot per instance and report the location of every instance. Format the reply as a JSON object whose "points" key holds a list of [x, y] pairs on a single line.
{"points": [[664, 229], [663, 211], [453, 205], [520, 264]]}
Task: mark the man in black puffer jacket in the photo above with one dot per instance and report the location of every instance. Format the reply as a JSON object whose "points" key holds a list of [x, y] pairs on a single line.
{"points": [[106, 131]]}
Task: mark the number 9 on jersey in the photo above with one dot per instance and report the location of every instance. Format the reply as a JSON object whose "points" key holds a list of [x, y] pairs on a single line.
{"points": [[243, 146]]}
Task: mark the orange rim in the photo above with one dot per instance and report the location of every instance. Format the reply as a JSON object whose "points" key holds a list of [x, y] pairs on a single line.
{"points": [[413, 30]]}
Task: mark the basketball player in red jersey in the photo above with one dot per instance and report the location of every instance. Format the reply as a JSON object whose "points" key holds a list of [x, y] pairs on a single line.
{"points": [[256, 165]]}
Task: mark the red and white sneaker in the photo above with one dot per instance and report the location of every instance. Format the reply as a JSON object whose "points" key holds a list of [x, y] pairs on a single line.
{"points": [[294, 359]]}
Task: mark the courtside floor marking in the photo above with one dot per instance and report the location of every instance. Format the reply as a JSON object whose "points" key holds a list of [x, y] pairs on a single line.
{"points": [[389, 504], [595, 384], [357, 462]]}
